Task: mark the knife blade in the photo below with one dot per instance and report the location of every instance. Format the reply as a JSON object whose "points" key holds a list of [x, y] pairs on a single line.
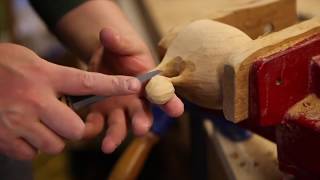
{"points": [[78, 102]]}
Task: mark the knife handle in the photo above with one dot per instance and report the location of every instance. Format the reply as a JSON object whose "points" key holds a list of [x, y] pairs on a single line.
{"points": [[65, 100], [133, 158], [71, 100], [79, 102]]}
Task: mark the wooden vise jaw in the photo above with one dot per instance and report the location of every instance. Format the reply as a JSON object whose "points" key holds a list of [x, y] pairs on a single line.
{"points": [[284, 89]]}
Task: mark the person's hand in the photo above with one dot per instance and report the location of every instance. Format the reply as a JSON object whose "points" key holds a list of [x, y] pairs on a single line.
{"points": [[127, 55], [118, 50], [31, 116]]}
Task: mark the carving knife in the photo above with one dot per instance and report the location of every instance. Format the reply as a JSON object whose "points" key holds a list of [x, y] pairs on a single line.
{"points": [[78, 102]]}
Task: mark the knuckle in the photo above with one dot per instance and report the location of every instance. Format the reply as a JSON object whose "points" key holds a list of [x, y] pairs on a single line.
{"points": [[140, 130], [22, 152], [51, 147], [13, 120], [117, 84], [59, 148], [40, 105], [33, 99], [87, 80]]}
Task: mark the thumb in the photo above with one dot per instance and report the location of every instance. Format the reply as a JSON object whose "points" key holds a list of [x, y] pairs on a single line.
{"points": [[119, 44], [73, 81]]}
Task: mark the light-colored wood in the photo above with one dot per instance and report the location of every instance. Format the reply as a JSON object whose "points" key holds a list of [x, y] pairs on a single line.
{"points": [[308, 8], [196, 57], [208, 62], [253, 17], [309, 108], [159, 90], [132, 160], [167, 14], [252, 159]]}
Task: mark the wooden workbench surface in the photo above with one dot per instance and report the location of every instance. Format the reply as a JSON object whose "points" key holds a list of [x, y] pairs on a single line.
{"points": [[166, 14]]}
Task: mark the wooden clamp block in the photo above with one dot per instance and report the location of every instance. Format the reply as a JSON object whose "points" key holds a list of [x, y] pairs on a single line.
{"points": [[255, 18]]}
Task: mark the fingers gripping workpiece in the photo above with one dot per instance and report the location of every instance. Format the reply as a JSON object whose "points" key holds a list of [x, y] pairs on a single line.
{"points": [[194, 61], [260, 81], [159, 90]]}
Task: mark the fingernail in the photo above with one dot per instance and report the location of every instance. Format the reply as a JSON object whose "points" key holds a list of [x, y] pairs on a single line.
{"points": [[133, 84]]}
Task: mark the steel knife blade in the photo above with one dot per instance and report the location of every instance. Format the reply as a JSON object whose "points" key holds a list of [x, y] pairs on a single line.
{"points": [[78, 102]]}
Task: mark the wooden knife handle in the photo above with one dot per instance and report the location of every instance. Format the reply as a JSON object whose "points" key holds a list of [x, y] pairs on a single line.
{"points": [[132, 160]]}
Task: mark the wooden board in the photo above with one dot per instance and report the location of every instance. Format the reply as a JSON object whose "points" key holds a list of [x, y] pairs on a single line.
{"points": [[251, 16], [6, 21], [308, 8], [251, 159]]}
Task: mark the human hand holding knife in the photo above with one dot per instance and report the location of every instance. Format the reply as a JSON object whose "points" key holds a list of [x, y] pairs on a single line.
{"points": [[78, 102]]}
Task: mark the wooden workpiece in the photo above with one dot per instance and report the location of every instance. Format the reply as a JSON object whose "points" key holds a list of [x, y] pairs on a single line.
{"points": [[159, 90], [217, 66], [209, 62], [252, 17], [194, 61]]}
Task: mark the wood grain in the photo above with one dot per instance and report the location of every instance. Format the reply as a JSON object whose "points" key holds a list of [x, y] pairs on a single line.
{"points": [[209, 62], [253, 17], [308, 8]]}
